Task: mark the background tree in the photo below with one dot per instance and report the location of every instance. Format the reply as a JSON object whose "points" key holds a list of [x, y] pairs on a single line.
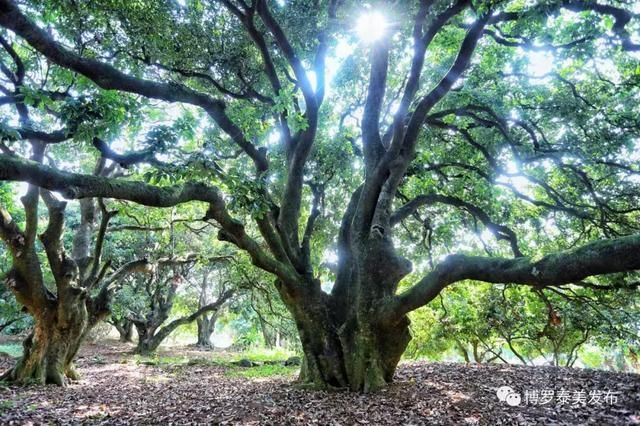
{"points": [[11, 313], [147, 303], [13, 319], [212, 285], [66, 294], [159, 292], [258, 317], [514, 324], [123, 325], [439, 127]]}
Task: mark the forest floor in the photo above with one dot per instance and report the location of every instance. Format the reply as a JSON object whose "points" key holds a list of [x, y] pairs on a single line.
{"points": [[187, 386]]}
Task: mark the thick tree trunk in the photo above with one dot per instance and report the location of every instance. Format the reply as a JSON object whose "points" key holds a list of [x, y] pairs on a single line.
{"points": [[362, 357], [204, 335], [360, 353], [125, 330], [147, 347], [49, 350], [146, 343], [206, 326], [349, 341]]}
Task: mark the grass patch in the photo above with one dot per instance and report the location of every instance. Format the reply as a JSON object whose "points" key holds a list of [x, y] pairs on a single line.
{"points": [[160, 360], [6, 404], [13, 349], [262, 371], [270, 362], [254, 355], [172, 361]]}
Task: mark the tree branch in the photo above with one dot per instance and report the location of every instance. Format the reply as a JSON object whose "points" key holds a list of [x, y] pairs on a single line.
{"points": [[52, 239], [215, 306], [125, 160], [371, 139], [108, 77], [106, 216], [374, 206], [565, 267], [25, 278], [444, 86], [289, 53], [77, 186], [501, 232], [421, 44]]}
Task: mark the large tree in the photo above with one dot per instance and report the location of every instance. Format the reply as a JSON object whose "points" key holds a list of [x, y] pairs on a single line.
{"points": [[441, 124], [83, 284]]}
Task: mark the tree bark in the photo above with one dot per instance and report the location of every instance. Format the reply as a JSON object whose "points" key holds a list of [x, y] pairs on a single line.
{"points": [[49, 350], [125, 330], [206, 327], [361, 356], [146, 343], [349, 345]]}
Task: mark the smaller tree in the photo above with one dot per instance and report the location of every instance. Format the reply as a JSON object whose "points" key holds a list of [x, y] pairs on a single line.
{"points": [[485, 323], [119, 313], [265, 312], [125, 329], [257, 317], [207, 321], [157, 299], [12, 318]]}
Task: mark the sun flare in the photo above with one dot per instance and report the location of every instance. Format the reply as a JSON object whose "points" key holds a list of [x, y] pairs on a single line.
{"points": [[371, 27]]}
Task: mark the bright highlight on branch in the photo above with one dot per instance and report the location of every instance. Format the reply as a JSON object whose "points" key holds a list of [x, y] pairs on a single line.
{"points": [[371, 27]]}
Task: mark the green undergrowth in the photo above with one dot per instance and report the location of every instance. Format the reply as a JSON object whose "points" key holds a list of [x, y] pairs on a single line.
{"points": [[12, 349], [6, 405], [267, 363], [261, 371], [254, 355]]}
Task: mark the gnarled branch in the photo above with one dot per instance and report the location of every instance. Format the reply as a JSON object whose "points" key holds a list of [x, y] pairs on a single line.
{"points": [[565, 267]]}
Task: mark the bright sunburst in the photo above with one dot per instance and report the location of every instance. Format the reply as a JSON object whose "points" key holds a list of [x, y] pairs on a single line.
{"points": [[371, 27]]}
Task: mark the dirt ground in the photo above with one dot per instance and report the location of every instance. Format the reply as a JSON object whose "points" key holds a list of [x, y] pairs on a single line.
{"points": [[117, 388]]}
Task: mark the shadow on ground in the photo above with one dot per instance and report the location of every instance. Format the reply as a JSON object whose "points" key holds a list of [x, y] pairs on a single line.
{"points": [[116, 388]]}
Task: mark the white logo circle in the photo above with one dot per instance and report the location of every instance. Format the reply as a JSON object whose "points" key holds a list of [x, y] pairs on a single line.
{"points": [[503, 391], [513, 399]]}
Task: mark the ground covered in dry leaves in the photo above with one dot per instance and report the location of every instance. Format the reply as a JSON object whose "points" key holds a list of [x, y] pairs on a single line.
{"points": [[116, 388]]}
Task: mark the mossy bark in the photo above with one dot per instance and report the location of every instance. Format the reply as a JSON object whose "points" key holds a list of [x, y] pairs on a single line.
{"points": [[49, 350], [346, 350], [359, 357], [147, 343]]}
